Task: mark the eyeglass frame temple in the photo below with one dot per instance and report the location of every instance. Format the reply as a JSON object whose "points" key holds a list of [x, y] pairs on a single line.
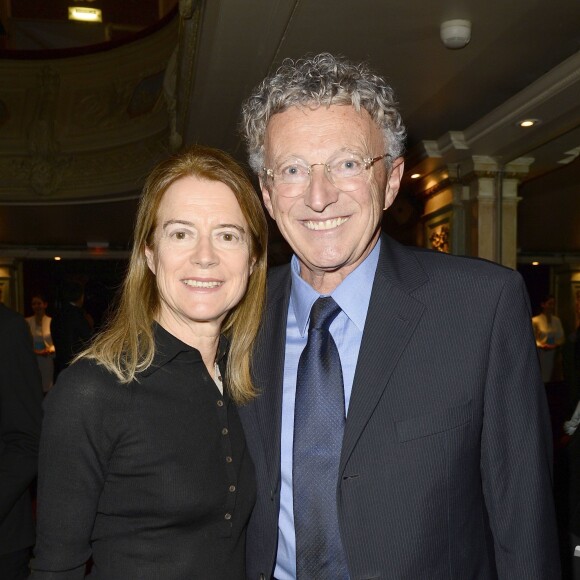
{"points": [[370, 162]]}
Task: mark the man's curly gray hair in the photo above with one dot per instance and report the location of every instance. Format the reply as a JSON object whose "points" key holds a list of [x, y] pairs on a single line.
{"points": [[321, 80]]}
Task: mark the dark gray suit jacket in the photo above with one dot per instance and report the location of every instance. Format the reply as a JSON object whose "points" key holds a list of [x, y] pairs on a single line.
{"points": [[20, 420], [445, 470]]}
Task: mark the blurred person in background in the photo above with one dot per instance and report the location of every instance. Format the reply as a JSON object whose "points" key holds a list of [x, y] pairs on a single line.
{"points": [[39, 324], [549, 337], [69, 327]]}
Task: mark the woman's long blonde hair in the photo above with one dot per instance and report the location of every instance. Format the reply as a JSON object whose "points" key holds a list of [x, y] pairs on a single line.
{"points": [[126, 346]]}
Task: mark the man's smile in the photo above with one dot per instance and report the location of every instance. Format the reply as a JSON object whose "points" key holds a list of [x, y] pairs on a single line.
{"points": [[324, 224]]}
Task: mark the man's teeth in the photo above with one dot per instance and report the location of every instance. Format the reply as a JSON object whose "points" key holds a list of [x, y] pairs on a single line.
{"points": [[324, 225], [200, 284]]}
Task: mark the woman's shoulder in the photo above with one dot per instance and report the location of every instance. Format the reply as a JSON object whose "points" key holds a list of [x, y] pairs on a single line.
{"points": [[88, 406], [88, 383]]}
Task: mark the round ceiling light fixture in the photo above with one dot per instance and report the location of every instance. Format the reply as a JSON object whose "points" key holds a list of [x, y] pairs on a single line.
{"points": [[528, 122], [456, 33]]}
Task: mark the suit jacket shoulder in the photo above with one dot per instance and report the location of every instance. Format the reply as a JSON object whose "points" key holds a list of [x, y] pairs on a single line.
{"points": [[410, 264], [20, 420]]}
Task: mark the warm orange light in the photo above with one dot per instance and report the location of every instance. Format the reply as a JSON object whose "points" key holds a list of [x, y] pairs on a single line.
{"points": [[415, 176], [57, 258], [85, 14], [535, 263]]}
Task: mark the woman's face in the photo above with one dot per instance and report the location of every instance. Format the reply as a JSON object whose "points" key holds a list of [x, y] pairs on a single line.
{"points": [[38, 305], [548, 306], [200, 255]]}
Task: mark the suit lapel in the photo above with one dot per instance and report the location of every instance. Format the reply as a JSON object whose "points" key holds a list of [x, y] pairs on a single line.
{"points": [[391, 320], [268, 371]]}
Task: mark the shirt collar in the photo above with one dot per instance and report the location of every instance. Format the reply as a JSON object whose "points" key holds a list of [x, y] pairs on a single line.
{"points": [[168, 346], [353, 294]]}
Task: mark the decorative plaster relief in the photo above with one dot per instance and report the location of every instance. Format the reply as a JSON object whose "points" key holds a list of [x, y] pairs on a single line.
{"points": [[88, 127], [145, 95]]}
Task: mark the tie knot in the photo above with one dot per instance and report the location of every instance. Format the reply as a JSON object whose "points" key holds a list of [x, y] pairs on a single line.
{"points": [[323, 312]]}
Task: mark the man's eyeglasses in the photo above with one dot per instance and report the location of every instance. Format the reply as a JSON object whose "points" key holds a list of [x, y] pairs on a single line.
{"points": [[343, 170]]}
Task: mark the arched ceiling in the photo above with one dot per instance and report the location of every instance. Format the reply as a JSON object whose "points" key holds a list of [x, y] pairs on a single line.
{"points": [[79, 131]]}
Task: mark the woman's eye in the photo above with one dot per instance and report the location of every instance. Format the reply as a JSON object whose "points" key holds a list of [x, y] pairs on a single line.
{"points": [[229, 237], [178, 235]]}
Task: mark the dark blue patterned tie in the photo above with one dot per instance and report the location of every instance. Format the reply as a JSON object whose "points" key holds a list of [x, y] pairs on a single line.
{"points": [[318, 429]]}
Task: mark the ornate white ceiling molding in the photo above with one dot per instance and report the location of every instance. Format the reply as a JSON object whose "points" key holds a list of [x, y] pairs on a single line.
{"points": [[560, 85], [498, 134], [88, 126]]}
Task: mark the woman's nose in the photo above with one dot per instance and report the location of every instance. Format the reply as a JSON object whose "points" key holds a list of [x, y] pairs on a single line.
{"points": [[204, 253]]}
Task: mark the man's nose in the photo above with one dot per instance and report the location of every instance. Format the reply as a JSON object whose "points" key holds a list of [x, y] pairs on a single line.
{"points": [[321, 192]]}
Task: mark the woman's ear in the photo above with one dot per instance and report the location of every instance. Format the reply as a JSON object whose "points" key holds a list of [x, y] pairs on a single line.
{"points": [[150, 257]]}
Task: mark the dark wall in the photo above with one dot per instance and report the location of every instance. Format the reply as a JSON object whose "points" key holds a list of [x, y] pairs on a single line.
{"points": [[100, 278], [549, 212]]}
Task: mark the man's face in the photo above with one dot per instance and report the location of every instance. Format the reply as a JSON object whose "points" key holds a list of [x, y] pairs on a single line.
{"points": [[330, 230]]}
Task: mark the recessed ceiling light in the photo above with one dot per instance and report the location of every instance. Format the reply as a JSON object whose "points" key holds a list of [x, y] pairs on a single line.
{"points": [[535, 263], [85, 14], [415, 175], [528, 122], [57, 258]]}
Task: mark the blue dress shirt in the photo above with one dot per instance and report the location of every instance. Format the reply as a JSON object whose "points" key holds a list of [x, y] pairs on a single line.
{"points": [[353, 296]]}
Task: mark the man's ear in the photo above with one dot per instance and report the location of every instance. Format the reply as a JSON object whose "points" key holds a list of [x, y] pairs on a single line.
{"points": [[150, 257], [266, 197], [394, 182]]}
